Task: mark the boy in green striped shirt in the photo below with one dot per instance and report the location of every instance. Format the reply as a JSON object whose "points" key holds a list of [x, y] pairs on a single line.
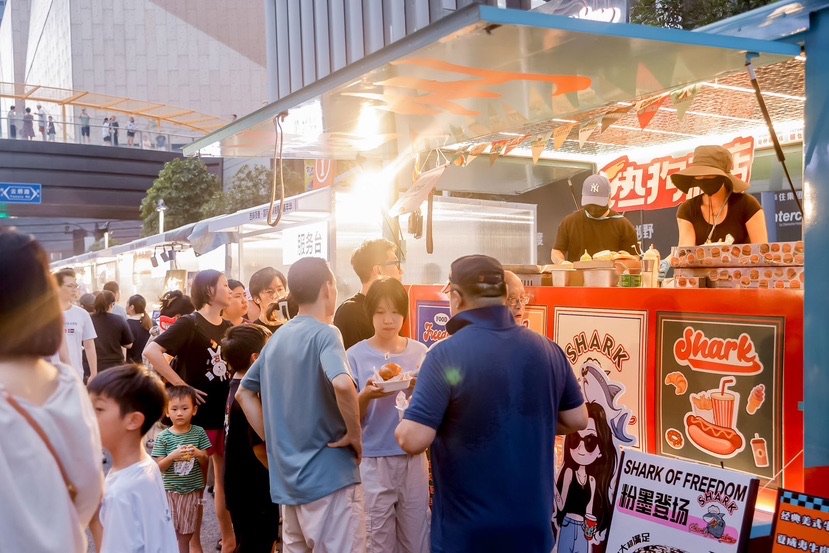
{"points": [[181, 453]]}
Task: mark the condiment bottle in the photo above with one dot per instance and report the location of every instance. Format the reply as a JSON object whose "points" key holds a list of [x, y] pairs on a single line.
{"points": [[651, 277]]}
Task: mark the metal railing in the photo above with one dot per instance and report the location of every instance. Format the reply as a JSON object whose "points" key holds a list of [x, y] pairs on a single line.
{"points": [[72, 132]]}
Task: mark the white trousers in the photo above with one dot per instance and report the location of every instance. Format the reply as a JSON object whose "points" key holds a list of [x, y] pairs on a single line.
{"points": [[334, 524], [397, 503]]}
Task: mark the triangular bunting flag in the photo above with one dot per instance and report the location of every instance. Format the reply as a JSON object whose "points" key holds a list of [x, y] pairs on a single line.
{"points": [[646, 83], [564, 104], [587, 129], [515, 142], [494, 153], [561, 133], [539, 144], [539, 109], [646, 110], [612, 117], [475, 152], [683, 98], [514, 119], [457, 134]]}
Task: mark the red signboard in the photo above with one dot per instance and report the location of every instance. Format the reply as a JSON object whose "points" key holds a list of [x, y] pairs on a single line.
{"points": [[646, 186]]}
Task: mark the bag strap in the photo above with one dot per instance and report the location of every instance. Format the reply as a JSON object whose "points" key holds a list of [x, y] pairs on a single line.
{"points": [[70, 487]]}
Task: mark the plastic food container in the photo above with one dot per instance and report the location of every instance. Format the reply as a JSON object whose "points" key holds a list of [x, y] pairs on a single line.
{"points": [[394, 385]]}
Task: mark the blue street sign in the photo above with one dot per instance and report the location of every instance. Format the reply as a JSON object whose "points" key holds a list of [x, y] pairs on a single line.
{"points": [[20, 193]]}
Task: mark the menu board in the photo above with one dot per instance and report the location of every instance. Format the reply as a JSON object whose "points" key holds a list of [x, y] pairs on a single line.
{"points": [[666, 505], [718, 390], [801, 523]]}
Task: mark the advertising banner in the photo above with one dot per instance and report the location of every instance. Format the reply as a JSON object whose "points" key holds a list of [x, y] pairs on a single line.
{"points": [[718, 392], [666, 505], [801, 523], [430, 324], [612, 344]]}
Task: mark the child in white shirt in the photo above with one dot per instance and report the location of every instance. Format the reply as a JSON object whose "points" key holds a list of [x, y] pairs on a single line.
{"points": [[135, 515]]}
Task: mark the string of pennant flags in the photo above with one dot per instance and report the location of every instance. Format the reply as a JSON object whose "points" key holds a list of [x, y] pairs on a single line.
{"points": [[646, 110]]}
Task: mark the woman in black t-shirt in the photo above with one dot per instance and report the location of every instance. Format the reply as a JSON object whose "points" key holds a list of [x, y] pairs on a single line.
{"points": [[722, 208], [140, 325], [194, 341], [112, 330]]}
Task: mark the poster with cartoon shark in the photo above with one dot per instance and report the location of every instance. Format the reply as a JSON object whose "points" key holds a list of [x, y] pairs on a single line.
{"points": [[601, 349]]}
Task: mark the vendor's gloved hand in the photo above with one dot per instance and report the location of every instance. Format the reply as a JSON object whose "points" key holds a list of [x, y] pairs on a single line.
{"points": [[664, 267]]}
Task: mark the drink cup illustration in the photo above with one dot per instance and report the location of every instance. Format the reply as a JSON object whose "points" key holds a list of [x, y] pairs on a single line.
{"points": [[590, 525], [760, 451], [724, 403]]}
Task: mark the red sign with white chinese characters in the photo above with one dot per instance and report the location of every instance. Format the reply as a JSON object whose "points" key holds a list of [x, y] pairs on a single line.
{"points": [[646, 186]]}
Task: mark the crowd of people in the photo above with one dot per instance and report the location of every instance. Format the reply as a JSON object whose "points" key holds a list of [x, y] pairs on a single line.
{"points": [[306, 447], [22, 124]]}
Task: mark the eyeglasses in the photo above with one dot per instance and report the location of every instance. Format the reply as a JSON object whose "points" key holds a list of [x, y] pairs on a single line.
{"points": [[591, 442], [391, 263], [515, 303]]}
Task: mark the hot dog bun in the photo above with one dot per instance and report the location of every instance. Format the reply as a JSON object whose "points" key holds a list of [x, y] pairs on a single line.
{"points": [[709, 437], [390, 370]]}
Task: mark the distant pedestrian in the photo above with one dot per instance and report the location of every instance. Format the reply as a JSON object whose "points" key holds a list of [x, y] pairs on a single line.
{"points": [[41, 121], [28, 125], [113, 287], [11, 121], [84, 126], [51, 130], [131, 126], [112, 331], [140, 324], [113, 127], [105, 132]]}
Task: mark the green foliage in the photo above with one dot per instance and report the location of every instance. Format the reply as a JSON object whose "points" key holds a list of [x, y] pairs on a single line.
{"points": [[251, 187], [185, 185], [689, 14]]}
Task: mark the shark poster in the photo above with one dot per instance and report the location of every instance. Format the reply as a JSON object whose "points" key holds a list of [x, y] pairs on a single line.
{"points": [[607, 352], [612, 343]]}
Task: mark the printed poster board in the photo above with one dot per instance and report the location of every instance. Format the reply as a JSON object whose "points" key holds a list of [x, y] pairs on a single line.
{"points": [[666, 505], [615, 341], [430, 323], [801, 523], [719, 391], [606, 350]]}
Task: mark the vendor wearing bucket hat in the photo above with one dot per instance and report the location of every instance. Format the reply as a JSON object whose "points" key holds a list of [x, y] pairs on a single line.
{"points": [[722, 208]]}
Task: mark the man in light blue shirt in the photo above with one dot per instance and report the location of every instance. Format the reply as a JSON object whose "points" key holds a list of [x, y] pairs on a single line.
{"points": [[308, 416]]}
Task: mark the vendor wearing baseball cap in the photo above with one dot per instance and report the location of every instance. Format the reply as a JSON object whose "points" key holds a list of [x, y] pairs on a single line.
{"points": [[595, 227], [722, 208]]}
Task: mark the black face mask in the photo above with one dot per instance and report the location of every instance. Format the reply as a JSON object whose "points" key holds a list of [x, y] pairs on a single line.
{"points": [[710, 187], [595, 211]]}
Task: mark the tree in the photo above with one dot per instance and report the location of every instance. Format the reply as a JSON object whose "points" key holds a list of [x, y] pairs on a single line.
{"points": [[251, 187], [689, 14], [185, 185]]}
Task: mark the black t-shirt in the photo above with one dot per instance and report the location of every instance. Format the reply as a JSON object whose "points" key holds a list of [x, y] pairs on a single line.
{"points": [[195, 343], [741, 208], [247, 485], [272, 328], [113, 332], [140, 338], [354, 323], [578, 233]]}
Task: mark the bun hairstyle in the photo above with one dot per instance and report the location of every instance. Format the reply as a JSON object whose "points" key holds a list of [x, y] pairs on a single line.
{"points": [[175, 304], [139, 307]]}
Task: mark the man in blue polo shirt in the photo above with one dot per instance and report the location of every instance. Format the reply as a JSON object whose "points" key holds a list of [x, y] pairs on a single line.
{"points": [[489, 402]]}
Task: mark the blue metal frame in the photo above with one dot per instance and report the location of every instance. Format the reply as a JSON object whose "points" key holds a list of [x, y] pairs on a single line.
{"points": [[816, 237], [779, 21]]}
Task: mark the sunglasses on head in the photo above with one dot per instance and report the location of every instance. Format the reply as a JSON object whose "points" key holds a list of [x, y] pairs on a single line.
{"points": [[591, 442]]}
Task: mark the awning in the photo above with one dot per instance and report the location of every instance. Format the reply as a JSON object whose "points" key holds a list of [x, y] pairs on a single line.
{"points": [[484, 71]]}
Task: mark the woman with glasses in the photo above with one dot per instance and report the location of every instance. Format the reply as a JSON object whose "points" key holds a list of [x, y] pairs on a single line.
{"points": [[267, 287]]}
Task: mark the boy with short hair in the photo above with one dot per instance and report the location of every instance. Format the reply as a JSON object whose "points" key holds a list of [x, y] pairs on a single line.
{"points": [[134, 513], [247, 488], [181, 453]]}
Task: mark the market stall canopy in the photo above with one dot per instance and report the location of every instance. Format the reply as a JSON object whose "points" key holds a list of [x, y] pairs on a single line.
{"points": [[775, 21], [483, 71]]}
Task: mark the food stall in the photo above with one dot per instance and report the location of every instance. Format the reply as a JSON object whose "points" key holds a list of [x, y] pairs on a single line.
{"points": [[487, 87]]}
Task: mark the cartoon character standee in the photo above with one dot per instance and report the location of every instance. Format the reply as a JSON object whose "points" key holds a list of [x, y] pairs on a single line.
{"points": [[584, 486]]}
